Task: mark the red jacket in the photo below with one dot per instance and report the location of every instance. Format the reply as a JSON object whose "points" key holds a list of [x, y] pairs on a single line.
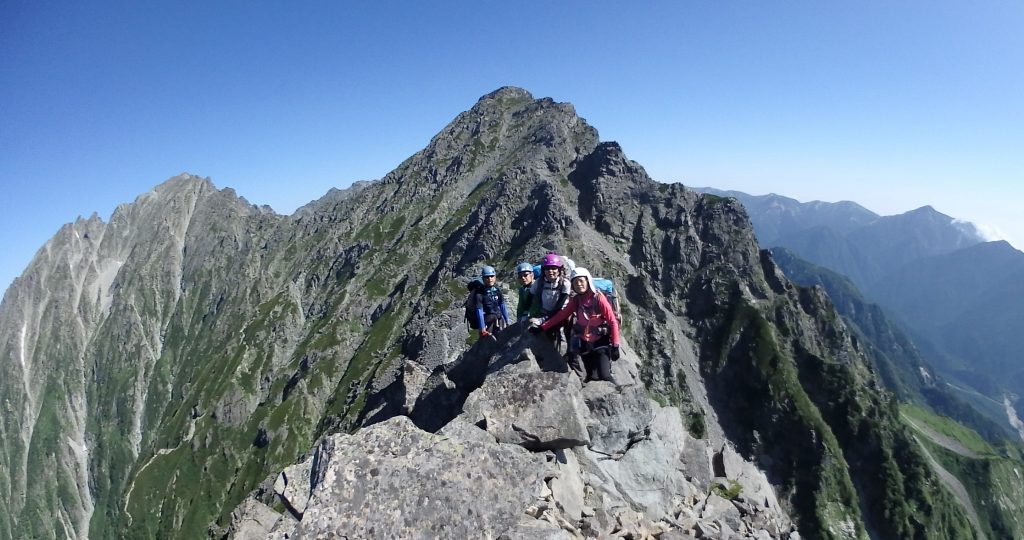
{"points": [[592, 310]]}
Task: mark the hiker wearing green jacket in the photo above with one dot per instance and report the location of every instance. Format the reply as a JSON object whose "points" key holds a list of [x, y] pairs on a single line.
{"points": [[526, 308]]}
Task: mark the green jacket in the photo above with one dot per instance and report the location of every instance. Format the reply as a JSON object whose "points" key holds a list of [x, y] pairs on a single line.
{"points": [[526, 306]]}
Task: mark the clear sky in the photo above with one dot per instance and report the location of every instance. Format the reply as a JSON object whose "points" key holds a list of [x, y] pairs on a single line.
{"points": [[892, 104]]}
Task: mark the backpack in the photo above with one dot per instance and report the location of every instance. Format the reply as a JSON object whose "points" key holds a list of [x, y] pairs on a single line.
{"points": [[469, 305], [607, 288], [569, 265]]}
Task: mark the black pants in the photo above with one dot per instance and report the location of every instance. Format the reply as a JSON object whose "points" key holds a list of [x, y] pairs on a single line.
{"points": [[494, 322], [597, 365], [557, 336]]}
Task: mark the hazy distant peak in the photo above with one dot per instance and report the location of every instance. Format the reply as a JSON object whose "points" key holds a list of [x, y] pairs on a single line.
{"points": [[926, 210], [845, 205], [995, 246]]}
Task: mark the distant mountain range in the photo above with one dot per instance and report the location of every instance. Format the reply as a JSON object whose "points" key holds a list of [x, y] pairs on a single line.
{"points": [[959, 297]]}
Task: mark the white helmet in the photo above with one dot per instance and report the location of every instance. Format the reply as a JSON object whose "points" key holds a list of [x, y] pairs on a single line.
{"points": [[584, 273]]}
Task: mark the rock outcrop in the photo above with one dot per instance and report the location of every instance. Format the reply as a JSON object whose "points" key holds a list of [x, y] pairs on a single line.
{"points": [[535, 454]]}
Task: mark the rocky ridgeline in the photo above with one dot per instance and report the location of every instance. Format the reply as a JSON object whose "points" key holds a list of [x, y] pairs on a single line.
{"points": [[531, 453], [164, 364]]}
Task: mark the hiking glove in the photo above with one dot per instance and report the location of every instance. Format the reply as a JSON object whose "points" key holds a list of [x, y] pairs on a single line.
{"points": [[484, 333], [613, 352]]}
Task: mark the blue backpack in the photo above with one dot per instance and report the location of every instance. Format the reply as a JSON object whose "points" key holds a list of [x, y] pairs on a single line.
{"points": [[607, 288]]}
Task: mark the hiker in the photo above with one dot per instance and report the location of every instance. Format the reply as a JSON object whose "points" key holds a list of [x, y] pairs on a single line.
{"points": [[550, 293], [491, 313], [526, 308], [595, 334]]}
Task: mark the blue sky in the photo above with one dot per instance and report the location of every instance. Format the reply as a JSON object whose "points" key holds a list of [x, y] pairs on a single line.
{"points": [[891, 104]]}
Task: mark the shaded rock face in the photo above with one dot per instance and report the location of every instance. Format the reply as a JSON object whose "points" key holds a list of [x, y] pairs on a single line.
{"points": [[168, 365]]}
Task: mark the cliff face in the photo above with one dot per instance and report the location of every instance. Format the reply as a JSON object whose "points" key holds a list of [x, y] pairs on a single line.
{"points": [[165, 365]]}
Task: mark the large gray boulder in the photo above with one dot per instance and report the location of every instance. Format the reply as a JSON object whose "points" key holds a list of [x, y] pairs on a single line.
{"points": [[294, 485], [252, 520], [536, 410], [648, 474], [617, 417], [393, 480]]}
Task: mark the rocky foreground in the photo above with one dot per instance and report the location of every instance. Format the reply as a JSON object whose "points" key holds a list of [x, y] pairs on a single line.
{"points": [[533, 454]]}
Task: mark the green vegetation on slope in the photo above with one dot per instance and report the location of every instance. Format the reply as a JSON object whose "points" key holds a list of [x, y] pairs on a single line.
{"points": [[991, 475]]}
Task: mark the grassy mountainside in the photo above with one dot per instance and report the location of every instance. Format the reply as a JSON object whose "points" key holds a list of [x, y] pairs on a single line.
{"points": [[990, 473]]}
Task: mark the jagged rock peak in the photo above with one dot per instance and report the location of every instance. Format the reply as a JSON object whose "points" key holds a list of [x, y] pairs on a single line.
{"points": [[181, 184], [184, 180], [190, 187], [507, 132], [511, 98], [508, 92]]}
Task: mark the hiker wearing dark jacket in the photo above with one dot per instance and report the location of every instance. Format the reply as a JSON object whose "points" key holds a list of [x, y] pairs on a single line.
{"points": [[595, 334], [491, 312]]}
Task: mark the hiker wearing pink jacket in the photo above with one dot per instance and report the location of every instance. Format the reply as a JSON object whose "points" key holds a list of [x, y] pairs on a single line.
{"points": [[595, 332]]}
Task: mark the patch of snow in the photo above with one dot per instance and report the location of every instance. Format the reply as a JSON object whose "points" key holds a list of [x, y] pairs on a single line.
{"points": [[925, 376], [1011, 415], [105, 280], [21, 356]]}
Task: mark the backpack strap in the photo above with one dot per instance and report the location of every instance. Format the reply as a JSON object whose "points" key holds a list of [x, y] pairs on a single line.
{"points": [[478, 300], [563, 295]]}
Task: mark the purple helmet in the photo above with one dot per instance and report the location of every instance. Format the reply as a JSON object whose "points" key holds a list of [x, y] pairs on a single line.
{"points": [[552, 259]]}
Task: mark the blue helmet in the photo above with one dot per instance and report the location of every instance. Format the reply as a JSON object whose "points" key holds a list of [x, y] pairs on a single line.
{"points": [[487, 271], [524, 267]]}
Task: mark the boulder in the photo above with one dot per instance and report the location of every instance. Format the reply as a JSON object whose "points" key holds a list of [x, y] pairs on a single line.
{"points": [[755, 485], [648, 474], [393, 480], [536, 529], [567, 485], [536, 410], [618, 417], [721, 510], [252, 520], [293, 486], [460, 429]]}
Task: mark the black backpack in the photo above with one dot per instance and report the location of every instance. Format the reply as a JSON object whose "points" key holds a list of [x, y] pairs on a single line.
{"points": [[470, 304]]}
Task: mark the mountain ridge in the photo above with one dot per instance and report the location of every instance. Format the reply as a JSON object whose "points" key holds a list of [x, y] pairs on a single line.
{"points": [[235, 338], [955, 292]]}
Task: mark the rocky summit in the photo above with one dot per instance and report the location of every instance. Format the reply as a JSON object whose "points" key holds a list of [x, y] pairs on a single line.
{"points": [[201, 367], [532, 454]]}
